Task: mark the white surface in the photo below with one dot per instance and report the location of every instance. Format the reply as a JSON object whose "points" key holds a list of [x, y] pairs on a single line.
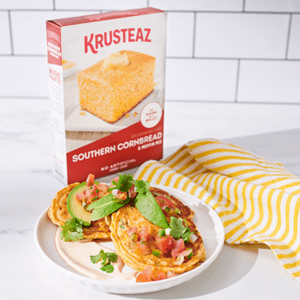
{"points": [[272, 5], [239, 272], [241, 35], [180, 34], [207, 221], [219, 5], [201, 79], [5, 46], [269, 81], [294, 46]]}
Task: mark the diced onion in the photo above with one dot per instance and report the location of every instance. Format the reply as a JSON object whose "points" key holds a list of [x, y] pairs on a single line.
{"points": [[179, 260], [135, 189], [168, 231], [170, 274], [193, 238], [164, 207], [83, 203], [114, 192]]}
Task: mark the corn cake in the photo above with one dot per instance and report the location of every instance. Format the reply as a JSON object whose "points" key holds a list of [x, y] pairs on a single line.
{"points": [[112, 87]]}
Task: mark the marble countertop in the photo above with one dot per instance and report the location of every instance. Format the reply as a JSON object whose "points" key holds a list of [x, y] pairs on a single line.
{"points": [[28, 186]]}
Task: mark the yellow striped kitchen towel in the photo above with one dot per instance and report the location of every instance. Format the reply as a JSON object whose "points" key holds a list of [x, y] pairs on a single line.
{"points": [[257, 200]]}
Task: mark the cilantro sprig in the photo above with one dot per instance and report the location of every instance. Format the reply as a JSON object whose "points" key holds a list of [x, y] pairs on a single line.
{"points": [[178, 230], [124, 183], [72, 230], [107, 258]]}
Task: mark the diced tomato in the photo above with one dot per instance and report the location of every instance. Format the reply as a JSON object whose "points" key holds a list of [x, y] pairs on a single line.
{"points": [[151, 275], [144, 234], [132, 230], [90, 180], [144, 249], [145, 276], [178, 247], [185, 252], [91, 193], [158, 275], [139, 248], [148, 272], [165, 243], [116, 179], [102, 189], [80, 196], [141, 278], [121, 195], [131, 192], [163, 201]]}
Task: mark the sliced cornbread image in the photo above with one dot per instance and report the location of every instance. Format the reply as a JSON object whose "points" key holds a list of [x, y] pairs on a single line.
{"points": [[115, 85]]}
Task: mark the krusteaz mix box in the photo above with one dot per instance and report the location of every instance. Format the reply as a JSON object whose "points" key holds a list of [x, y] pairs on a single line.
{"points": [[106, 85]]}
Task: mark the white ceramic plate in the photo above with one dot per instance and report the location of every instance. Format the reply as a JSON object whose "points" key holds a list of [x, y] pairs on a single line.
{"points": [[207, 221]]}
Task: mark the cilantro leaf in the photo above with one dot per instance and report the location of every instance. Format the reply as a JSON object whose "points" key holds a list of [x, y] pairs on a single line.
{"points": [[124, 183], [177, 227], [107, 258], [107, 268], [186, 236], [72, 230], [142, 186], [178, 230], [112, 257], [100, 256]]}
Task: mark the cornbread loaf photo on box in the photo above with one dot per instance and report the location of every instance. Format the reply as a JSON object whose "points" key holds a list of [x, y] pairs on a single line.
{"points": [[107, 85], [111, 88]]}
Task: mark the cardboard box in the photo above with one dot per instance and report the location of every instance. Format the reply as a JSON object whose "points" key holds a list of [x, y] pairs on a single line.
{"points": [[106, 84]]}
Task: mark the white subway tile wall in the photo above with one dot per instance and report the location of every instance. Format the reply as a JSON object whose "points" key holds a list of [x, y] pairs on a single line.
{"points": [[24, 76], [100, 4], [194, 5], [212, 80], [180, 34], [294, 45], [273, 5], [5, 45], [269, 81], [241, 35], [217, 50]]}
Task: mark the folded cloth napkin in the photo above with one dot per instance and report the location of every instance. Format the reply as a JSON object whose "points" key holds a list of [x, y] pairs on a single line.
{"points": [[257, 200]]}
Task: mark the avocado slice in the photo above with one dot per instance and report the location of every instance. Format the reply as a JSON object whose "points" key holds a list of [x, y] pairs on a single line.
{"points": [[74, 207]]}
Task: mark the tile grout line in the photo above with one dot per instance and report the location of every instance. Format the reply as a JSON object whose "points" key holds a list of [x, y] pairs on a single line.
{"points": [[237, 81], [10, 33], [54, 6], [288, 37], [231, 102], [169, 100], [148, 3], [194, 35], [244, 5], [232, 58], [169, 10], [182, 57]]}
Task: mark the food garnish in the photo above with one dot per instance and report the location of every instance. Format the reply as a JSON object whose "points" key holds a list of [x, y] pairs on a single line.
{"points": [[105, 206], [107, 258], [178, 230], [72, 230], [123, 189]]}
